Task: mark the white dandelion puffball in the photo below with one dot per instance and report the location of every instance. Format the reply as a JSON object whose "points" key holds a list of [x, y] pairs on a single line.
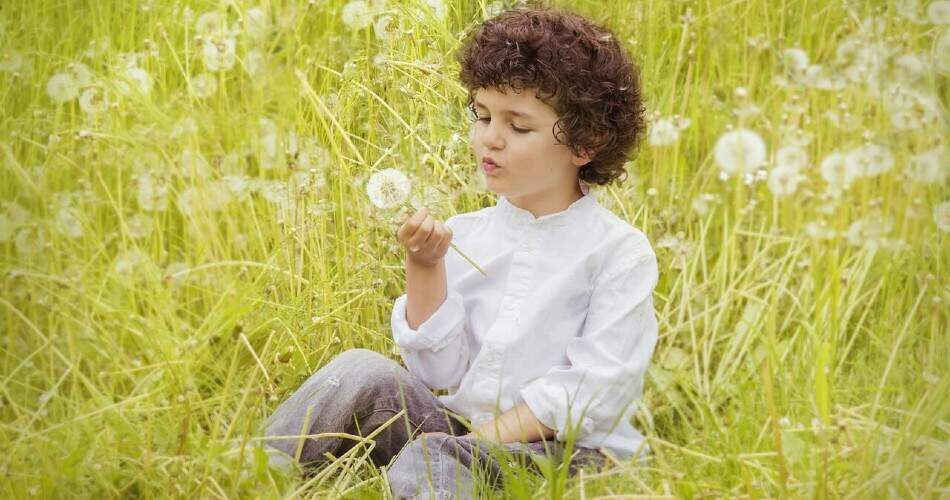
{"points": [[11, 63], [664, 132], [783, 181], [388, 188], [437, 7], [204, 85], [384, 27], [939, 12], [219, 55], [837, 171], [141, 79], [93, 101], [357, 15], [870, 160], [739, 151], [62, 87], [941, 52], [791, 157], [942, 216], [210, 23], [256, 24], [81, 73], [929, 167]]}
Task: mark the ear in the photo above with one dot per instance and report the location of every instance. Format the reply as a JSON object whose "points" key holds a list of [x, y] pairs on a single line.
{"points": [[583, 159]]}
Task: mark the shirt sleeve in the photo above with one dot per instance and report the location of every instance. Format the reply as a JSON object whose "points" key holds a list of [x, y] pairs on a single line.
{"points": [[608, 360]]}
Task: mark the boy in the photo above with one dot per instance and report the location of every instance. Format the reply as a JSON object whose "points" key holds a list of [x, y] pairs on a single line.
{"points": [[555, 341]]}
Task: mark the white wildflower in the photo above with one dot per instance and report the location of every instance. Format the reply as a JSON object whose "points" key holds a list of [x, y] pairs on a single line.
{"points": [[870, 160], [837, 171], [93, 101], [939, 12], [357, 15], [738, 151], [666, 131], [218, 54], [254, 62], [139, 226], [941, 52], [67, 223], [783, 181], [138, 76], [388, 188], [869, 231], [909, 68], [193, 164], [29, 241], [210, 24], [437, 7], [942, 216], [81, 74], [929, 167], [152, 192], [11, 63], [791, 157], [385, 28], [819, 230], [911, 110], [129, 261], [62, 87], [256, 23], [204, 85]]}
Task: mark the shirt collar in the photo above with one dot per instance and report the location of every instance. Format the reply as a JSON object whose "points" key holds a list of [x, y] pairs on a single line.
{"points": [[517, 216]]}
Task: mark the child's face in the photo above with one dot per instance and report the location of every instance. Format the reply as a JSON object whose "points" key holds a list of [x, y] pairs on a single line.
{"points": [[532, 163]]}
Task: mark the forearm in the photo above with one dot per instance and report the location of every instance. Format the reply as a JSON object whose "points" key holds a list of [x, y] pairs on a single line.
{"points": [[426, 289], [515, 425]]}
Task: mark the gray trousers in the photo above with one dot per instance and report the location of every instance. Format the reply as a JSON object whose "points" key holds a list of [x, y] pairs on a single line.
{"points": [[422, 452]]}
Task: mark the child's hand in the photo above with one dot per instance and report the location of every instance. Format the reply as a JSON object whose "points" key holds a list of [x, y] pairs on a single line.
{"points": [[426, 238]]}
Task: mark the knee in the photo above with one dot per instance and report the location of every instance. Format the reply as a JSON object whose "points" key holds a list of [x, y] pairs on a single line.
{"points": [[369, 368]]}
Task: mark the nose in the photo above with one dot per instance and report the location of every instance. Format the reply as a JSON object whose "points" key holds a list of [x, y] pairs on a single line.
{"points": [[491, 135]]}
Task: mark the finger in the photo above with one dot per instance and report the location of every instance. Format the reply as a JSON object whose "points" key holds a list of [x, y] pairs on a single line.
{"points": [[422, 234], [411, 224]]}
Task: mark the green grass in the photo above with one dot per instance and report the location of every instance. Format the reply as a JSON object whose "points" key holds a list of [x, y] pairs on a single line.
{"points": [[139, 343]]}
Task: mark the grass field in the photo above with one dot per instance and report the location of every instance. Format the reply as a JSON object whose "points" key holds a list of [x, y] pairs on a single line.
{"points": [[185, 236]]}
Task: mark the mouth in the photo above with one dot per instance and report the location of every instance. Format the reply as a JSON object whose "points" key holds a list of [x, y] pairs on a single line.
{"points": [[489, 165]]}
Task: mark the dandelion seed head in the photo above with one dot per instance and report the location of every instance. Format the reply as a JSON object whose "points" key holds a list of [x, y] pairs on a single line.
{"points": [[93, 101], [939, 12], [388, 188], [204, 85], [62, 87], [664, 132], [357, 15], [219, 54], [942, 216], [740, 150]]}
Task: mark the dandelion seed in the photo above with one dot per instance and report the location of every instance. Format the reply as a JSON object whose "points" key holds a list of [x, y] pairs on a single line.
{"points": [[838, 172], [81, 74], [783, 181], [93, 101], [254, 62], [939, 12], [388, 188], [139, 226], [738, 151], [62, 87], [218, 54], [152, 193], [357, 15], [11, 63], [68, 224], [942, 216], [930, 167], [256, 23], [204, 85], [139, 77], [665, 132], [385, 28], [210, 23], [870, 160], [791, 157]]}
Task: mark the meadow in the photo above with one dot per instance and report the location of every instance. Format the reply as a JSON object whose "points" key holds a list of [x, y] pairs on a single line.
{"points": [[185, 236]]}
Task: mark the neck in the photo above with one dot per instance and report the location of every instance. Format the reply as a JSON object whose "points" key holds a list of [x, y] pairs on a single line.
{"points": [[541, 204]]}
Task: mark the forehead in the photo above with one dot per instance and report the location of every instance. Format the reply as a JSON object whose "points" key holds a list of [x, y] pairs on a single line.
{"points": [[524, 101]]}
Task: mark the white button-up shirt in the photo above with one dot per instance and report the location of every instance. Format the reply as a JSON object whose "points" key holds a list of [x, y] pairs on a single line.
{"points": [[564, 321]]}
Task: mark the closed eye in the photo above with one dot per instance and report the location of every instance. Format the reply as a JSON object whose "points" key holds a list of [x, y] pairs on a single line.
{"points": [[513, 127]]}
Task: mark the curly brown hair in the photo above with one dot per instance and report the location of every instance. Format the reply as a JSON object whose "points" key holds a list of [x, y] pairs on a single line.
{"points": [[576, 67]]}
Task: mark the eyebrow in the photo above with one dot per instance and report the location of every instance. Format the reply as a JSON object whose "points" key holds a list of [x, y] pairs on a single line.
{"points": [[508, 111]]}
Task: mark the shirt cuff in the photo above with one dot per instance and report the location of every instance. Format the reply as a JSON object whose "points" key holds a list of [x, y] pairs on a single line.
{"points": [[445, 324], [551, 413]]}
